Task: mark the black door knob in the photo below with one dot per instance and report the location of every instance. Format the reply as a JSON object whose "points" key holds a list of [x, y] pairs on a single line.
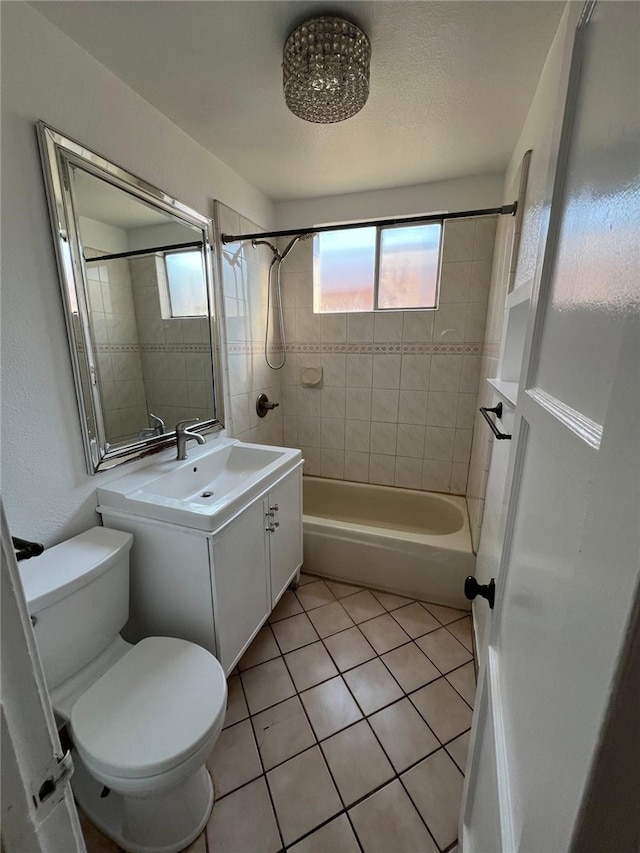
{"points": [[472, 589]]}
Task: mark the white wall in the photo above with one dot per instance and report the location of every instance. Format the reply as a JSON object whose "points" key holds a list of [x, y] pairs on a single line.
{"points": [[460, 194], [107, 237], [47, 492], [152, 236]]}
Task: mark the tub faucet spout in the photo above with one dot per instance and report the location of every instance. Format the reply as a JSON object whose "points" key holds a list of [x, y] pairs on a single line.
{"points": [[184, 434]]}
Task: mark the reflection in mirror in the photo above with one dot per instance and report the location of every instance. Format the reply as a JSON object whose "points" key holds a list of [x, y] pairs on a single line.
{"points": [[148, 312], [137, 286]]}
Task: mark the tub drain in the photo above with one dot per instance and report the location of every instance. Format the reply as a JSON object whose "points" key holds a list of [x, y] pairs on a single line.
{"points": [[206, 495]]}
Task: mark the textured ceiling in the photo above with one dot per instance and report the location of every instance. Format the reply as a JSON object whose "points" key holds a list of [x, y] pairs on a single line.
{"points": [[451, 84]]}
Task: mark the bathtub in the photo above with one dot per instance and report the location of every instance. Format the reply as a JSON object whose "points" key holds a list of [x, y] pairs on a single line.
{"points": [[412, 543]]}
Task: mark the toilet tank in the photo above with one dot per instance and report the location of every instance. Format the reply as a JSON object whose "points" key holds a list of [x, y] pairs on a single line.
{"points": [[78, 597]]}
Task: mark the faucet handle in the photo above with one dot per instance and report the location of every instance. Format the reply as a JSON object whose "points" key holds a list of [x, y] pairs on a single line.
{"points": [[263, 405], [182, 424]]}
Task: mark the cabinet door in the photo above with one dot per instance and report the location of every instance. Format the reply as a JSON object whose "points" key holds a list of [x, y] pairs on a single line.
{"points": [[285, 542], [240, 583]]}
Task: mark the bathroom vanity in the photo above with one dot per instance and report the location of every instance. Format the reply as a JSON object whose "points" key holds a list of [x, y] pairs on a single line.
{"points": [[217, 540]]}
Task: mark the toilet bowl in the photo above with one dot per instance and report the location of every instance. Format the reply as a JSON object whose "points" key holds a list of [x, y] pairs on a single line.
{"points": [[143, 718], [144, 731]]}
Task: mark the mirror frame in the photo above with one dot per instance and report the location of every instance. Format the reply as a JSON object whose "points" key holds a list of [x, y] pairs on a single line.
{"points": [[58, 152]]}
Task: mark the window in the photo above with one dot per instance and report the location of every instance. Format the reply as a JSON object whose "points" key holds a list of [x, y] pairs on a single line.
{"points": [[186, 293], [393, 268]]}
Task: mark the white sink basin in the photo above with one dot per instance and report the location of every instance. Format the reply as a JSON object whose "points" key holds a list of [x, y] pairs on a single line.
{"points": [[203, 491]]}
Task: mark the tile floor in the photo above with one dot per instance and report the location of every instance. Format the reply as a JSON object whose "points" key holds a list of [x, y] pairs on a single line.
{"points": [[346, 731]]}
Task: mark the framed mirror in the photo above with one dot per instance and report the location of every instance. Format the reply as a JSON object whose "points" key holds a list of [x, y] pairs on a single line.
{"points": [[136, 276]]}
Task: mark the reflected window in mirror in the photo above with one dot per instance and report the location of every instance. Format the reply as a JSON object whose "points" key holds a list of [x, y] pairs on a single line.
{"points": [[185, 296]]}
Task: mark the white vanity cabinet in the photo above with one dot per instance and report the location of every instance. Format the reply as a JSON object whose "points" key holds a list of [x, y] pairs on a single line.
{"points": [[241, 586], [215, 589], [254, 560], [283, 514]]}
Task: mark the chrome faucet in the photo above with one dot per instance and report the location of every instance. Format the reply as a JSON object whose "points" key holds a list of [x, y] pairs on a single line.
{"points": [[183, 434], [158, 427], [158, 424]]}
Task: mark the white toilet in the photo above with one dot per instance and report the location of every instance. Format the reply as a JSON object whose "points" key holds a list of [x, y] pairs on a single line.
{"points": [[143, 718]]}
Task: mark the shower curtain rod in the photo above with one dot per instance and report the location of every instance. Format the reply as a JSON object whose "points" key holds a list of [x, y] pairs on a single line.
{"points": [[402, 220], [138, 252]]}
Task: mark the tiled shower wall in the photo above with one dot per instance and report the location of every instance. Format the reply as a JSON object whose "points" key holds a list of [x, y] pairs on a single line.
{"points": [[176, 353], [118, 347], [482, 436], [244, 274], [145, 364], [399, 395]]}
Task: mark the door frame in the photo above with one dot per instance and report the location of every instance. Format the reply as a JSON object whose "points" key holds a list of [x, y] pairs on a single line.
{"points": [[31, 747]]}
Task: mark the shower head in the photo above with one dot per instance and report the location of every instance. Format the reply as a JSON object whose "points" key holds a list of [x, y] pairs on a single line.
{"points": [[293, 242]]}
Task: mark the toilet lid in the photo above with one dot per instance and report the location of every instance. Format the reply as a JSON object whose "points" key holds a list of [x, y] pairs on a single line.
{"points": [[152, 710]]}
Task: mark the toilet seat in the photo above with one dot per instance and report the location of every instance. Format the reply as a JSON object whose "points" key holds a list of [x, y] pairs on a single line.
{"points": [[151, 711]]}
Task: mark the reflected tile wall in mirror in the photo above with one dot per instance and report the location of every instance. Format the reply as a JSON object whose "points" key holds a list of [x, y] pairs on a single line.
{"points": [[145, 364]]}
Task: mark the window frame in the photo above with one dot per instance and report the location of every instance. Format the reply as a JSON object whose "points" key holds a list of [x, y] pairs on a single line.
{"points": [[376, 268], [166, 303]]}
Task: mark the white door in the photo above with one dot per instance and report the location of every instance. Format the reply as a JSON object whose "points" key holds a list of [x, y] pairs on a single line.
{"points": [[561, 630], [38, 812]]}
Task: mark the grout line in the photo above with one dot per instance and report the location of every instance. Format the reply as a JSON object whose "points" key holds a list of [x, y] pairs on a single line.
{"points": [[264, 774], [355, 834], [266, 660], [404, 788], [322, 755], [449, 742], [406, 692], [316, 828], [396, 773], [365, 718], [341, 673], [458, 692], [409, 600], [470, 650]]}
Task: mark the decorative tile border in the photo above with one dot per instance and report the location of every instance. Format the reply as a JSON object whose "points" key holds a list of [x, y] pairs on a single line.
{"points": [[111, 348], [363, 347], [251, 347], [175, 348], [116, 347], [377, 348]]}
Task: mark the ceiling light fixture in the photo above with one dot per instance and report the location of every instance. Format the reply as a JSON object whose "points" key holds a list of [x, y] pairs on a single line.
{"points": [[326, 70]]}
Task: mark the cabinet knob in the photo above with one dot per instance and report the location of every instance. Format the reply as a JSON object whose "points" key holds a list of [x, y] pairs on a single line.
{"points": [[269, 529], [275, 507]]}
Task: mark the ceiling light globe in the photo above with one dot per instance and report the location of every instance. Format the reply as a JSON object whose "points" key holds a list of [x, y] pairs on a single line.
{"points": [[325, 70]]}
